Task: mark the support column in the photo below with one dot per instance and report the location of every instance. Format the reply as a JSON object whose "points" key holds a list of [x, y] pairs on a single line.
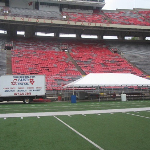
{"points": [[78, 35], [142, 38], [100, 37], [7, 3], [56, 35], [120, 37], [37, 4], [12, 31], [29, 31]]}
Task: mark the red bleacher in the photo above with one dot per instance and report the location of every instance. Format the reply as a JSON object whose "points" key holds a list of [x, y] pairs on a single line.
{"points": [[118, 17], [98, 58], [127, 18], [124, 17], [52, 64], [145, 14], [55, 64], [83, 17], [48, 60]]}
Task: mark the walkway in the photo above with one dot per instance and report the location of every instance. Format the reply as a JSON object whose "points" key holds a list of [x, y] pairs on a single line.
{"points": [[69, 113]]}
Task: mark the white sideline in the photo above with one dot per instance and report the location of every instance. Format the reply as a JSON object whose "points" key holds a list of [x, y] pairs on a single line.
{"points": [[80, 134], [86, 112]]}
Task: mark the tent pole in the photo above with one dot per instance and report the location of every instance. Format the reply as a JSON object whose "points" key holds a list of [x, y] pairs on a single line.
{"points": [[99, 93], [73, 90]]}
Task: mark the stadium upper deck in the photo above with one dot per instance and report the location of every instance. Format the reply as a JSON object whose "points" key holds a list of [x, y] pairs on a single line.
{"points": [[124, 17], [34, 4], [97, 3]]}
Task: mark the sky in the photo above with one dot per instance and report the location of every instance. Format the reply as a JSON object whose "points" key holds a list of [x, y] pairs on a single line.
{"points": [[126, 4]]}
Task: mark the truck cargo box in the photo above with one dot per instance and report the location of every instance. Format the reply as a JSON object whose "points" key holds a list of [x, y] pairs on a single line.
{"points": [[22, 85]]}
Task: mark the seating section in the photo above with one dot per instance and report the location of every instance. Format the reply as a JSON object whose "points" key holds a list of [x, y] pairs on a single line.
{"points": [[136, 52], [82, 17], [29, 13], [98, 58], [3, 69], [54, 65], [112, 17], [145, 13], [124, 17], [3, 57], [44, 57], [127, 18]]}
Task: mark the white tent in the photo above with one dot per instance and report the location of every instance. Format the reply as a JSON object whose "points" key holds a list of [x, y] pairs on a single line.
{"points": [[109, 79]]}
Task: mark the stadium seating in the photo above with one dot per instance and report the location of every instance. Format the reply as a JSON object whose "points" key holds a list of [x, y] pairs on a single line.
{"points": [[28, 13], [44, 57], [3, 58], [39, 57], [99, 59], [124, 17], [136, 52], [82, 17], [112, 17], [145, 14], [54, 65], [127, 18]]}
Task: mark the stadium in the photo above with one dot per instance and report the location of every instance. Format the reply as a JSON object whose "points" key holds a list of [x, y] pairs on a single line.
{"points": [[70, 41]]}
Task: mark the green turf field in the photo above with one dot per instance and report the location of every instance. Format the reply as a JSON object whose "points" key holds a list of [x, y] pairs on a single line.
{"points": [[114, 131], [67, 106]]}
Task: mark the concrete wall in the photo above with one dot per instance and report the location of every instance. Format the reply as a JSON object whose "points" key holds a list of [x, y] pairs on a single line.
{"points": [[21, 4], [49, 8], [2, 4]]}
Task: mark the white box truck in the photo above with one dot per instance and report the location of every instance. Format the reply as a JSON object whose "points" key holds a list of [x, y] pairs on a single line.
{"points": [[22, 87]]}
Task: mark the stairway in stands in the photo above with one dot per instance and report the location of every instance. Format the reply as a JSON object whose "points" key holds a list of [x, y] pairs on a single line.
{"points": [[75, 64]]}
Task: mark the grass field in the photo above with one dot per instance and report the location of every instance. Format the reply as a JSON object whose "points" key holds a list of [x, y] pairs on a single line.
{"points": [[110, 131], [67, 106]]}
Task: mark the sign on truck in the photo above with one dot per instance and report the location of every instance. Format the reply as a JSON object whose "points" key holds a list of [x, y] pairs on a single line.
{"points": [[22, 87]]}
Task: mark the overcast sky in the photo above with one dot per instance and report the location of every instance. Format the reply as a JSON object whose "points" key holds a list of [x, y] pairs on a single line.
{"points": [[126, 4]]}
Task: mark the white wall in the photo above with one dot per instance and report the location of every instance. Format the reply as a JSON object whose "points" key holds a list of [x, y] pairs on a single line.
{"points": [[2, 4], [49, 8], [77, 10], [20, 4]]}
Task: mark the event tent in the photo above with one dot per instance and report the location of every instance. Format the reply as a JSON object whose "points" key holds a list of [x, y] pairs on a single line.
{"points": [[109, 79]]}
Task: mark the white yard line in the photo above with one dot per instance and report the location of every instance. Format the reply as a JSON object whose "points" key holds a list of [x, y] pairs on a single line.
{"points": [[80, 134], [66, 113], [138, 115]]}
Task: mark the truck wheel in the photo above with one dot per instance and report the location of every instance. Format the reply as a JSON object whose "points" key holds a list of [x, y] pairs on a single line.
{"points": [[26, 100]]}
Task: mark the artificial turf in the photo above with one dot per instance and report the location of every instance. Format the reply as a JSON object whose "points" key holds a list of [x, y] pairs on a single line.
{"points": [[116, 131], [45, 133], [67, 106]]}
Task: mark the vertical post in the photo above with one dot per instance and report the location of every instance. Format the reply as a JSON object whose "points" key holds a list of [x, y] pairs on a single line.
{"points": [[73, 90], [61, 87], [112, 90], [142, 93], [99, 93], [149, 92]]}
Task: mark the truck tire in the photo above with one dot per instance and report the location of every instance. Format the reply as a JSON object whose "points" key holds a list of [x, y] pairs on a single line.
{"points": [[26, 100]]}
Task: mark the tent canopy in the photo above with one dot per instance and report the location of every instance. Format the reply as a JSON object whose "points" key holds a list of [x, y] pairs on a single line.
{"points": [[109, 79]]}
